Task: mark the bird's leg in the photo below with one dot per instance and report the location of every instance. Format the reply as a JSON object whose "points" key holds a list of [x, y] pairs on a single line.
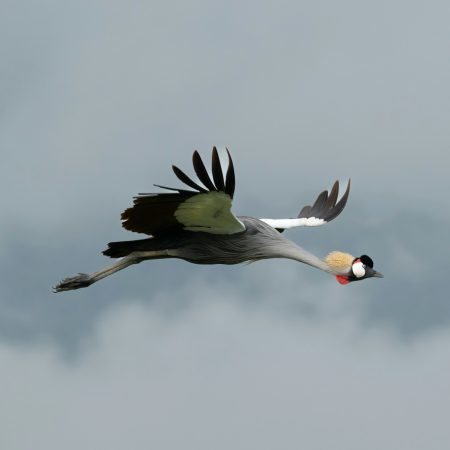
{"points": [[84, 280]]}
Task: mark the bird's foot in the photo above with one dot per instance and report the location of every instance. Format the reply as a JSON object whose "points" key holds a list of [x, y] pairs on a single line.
{"points": [[80, 281]]}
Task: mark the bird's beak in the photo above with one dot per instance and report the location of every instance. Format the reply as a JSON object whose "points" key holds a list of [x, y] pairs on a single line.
{"points": [[373, 273], [377, 274]]}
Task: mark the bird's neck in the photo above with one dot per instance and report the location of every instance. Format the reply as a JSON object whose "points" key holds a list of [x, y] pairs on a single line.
{"points": [[293, 251]]}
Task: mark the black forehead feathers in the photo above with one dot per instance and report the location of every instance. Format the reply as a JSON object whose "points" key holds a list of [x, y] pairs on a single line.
{"points": [[366, 260]]}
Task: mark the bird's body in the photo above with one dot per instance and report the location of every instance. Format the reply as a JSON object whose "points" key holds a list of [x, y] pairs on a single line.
{"points": [[258, 241], [199, 227]]}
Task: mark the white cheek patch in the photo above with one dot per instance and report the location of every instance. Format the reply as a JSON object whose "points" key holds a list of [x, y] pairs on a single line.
{"points": [[358, 269]]}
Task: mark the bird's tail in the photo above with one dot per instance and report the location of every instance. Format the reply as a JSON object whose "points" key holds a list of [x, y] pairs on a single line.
{"points": [[124, 248]]}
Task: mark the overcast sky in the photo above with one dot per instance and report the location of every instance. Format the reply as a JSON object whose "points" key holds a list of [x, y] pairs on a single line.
{"points": [[98, 99]]}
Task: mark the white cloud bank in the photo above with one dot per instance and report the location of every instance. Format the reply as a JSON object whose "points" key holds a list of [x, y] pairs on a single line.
{"points": [[219, 376]]}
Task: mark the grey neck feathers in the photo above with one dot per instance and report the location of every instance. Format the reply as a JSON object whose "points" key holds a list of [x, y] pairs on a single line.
{"points": [[293, 251]]}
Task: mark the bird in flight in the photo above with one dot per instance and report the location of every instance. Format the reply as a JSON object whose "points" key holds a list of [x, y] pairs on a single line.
{"points": [[198, 226]]}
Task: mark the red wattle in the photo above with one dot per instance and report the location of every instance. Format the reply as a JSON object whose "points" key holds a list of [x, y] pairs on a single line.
{"points": [[342, 279]]}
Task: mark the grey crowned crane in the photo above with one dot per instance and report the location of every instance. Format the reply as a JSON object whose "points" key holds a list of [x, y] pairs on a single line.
{"points": [[198, 226]]}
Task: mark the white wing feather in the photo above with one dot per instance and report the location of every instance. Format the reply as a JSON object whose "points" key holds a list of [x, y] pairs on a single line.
{"points": [[292, 223]]}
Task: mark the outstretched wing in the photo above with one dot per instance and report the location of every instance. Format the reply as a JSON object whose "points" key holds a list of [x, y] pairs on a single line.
{"points": [[324, 210], [206, 208]]}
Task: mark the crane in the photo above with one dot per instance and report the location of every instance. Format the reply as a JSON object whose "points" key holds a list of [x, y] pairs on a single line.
{"points": [[198, 226]]}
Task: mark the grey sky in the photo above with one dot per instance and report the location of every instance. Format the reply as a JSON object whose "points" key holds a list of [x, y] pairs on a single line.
{"points": [[98, 99]]}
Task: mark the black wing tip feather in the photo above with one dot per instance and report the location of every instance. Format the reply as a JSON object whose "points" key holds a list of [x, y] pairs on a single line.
{"points": [[230, 179], [186, 180], [201, 171], [216, 168], [216, 183], [325, 206], [340, 205], [228, 184]]}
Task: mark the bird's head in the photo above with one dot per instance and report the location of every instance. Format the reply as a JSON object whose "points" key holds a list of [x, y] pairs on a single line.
{"points": [[347, 268]]}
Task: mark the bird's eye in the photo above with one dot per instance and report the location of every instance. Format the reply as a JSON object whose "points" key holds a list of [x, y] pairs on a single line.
{"points": [[358, 269]]}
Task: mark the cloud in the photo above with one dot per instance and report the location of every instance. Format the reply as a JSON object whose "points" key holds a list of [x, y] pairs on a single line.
{"points": [[218, 375]]}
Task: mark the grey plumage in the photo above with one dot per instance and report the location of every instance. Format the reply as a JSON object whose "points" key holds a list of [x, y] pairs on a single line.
{"points": [[258, 241]]}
